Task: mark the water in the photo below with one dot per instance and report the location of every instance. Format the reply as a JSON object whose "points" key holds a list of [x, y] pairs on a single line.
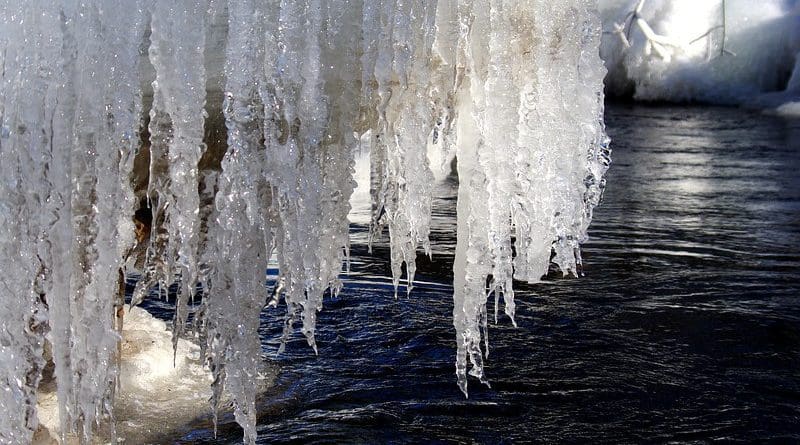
{"points": [[684, 328]]}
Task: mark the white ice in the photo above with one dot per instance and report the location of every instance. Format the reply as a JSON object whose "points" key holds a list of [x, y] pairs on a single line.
{"points": [[155, 398]]}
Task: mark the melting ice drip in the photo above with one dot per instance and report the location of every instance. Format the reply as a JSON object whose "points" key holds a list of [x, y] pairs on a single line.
{"points": [[513, 89]]}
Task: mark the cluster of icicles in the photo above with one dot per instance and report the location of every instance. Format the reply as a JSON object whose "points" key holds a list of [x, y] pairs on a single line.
{"points": [[511, 88]]}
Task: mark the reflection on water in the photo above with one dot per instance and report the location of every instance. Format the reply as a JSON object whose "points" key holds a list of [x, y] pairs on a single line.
{"points": [[686, 327]]}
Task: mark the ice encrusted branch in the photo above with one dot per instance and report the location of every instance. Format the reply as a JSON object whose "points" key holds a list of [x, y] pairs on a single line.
{"points": [[662, 46]]}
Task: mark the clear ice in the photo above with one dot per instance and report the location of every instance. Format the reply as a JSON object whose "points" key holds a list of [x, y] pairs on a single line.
{"points": [[511, 89]]}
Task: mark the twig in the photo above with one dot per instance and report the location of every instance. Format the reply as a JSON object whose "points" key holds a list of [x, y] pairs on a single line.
{"points": [[705, 34], [722, 50], [654, 42]]}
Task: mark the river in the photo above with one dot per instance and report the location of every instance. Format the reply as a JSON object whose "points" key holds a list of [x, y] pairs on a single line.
{"points": [[685, 327]]}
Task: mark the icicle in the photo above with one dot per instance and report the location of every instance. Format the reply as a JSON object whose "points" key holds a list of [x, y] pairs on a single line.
{"points": [[471, 268], [74, 186], [292, 166], [126, 25], [30, 44], [535, 82], [95, 160], [339, 55], [241, 238], [447, 75], [405, 124], [512, 88], [500, 131], [176, 128], [309, 157], [60, 230]]}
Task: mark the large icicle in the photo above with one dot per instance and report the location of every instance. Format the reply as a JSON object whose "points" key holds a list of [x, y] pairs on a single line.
{"points": [[405, 119], [176, 128], [309, 160], [72, 118], [535, 84], [59, 241], [241, 237], [29, 49], [86, 354], [126, 23], [500, 131], [473, 250]]}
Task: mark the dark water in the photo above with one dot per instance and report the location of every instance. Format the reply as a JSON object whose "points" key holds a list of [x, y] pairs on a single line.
{"points": [[686, 327]]}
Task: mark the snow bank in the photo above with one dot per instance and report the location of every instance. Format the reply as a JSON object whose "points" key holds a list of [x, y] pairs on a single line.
{"points": [[730, 52]]}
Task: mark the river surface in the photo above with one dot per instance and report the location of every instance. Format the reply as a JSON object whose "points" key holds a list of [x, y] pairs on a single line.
{"points": [[685, 327]]}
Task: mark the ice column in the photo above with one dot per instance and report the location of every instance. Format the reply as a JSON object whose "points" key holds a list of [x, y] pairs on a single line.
{"points": [[30, 47], [94, 149], [176, 128], [291, 103], [309, 151], [531, 152], [399, 37], [241, 233], [69, 125]]}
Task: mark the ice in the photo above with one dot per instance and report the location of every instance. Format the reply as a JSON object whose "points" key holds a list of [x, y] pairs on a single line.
{"points": [[241, 238], [67, 149], [308, 92], [523, 60], [155, 397], [726, 52], [785, 102], [310, 152], [176, 130], [403, 118], [26, 81]]}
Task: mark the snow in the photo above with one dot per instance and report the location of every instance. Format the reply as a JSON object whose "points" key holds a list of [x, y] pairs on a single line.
{"points": [[724, 52], [789, 109], [154, 398]]}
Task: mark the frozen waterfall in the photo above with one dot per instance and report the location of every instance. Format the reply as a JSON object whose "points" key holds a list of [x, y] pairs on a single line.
{"points": [[234, 127]]}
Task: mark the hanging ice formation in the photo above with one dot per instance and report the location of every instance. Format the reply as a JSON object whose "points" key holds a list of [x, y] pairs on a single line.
{"points": [[513, 89]]}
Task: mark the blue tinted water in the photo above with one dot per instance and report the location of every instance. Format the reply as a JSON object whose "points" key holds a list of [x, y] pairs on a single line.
{"points": [[686, 326]]}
